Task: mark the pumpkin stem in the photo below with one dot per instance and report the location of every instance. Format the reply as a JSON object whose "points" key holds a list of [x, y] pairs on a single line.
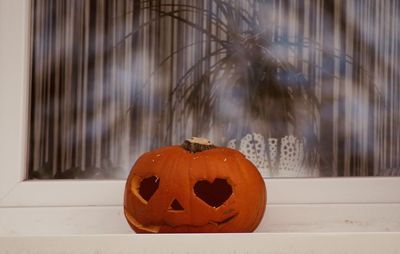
{"points": [[195, 145]]}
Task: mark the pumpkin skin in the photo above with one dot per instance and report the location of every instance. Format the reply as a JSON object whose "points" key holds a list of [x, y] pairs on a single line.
{"points": [[215, 190]]}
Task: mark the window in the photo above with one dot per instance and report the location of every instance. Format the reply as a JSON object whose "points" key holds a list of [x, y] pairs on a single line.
{"points": [[16, 190], [112, 79]]}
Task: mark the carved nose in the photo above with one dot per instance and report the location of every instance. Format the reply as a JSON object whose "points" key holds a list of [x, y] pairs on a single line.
{"points": [[175, 206]]}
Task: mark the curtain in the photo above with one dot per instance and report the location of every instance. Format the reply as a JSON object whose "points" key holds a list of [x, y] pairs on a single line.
{"points": [[111, 79]]}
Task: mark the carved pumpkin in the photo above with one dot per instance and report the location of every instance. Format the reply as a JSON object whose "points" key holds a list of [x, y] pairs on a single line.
{"points": [[196, 187]]}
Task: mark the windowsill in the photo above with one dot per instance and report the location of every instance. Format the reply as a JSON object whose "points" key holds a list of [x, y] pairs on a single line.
{"points": [[88, 215], [300, 218], [221, 243], [308, 227], [29, 228], [285, 229]]}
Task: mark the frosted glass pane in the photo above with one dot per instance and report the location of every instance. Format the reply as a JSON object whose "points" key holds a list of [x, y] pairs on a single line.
{"points": [[302, 88]]}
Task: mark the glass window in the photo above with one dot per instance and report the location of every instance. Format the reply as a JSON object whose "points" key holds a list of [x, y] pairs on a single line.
{"points": [[302, 88]]}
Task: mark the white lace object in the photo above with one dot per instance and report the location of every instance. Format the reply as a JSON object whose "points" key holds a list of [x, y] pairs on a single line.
{"points": [[277, 157]]}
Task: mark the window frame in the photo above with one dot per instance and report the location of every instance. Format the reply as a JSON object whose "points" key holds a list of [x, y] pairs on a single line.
{"points": [[16, 191]]}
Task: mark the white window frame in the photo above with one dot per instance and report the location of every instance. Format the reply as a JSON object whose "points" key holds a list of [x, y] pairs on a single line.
{"points": [[15, 191]]}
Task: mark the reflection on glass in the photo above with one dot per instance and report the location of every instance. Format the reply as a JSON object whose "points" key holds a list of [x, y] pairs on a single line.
{"points": [[303, 88]]}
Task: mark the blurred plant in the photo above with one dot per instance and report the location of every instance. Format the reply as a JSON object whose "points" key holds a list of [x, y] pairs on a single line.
{"points": [[244, 85]]}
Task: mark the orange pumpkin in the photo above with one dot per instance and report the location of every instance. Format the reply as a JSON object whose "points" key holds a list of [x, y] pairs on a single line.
{"points": [[196, 187]]}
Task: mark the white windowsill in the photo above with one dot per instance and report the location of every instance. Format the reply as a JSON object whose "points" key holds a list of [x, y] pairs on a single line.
{"points": [[292, 243], [88, 215], [300, 228], [317, 218]]}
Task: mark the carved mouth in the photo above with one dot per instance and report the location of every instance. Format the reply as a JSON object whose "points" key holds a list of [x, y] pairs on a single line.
{"points": [[219, 223], [156, 228], [137, 224]]}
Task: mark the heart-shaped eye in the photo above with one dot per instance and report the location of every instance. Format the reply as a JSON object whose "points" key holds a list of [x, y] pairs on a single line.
{"points": [[148, 187], [215, 193]]}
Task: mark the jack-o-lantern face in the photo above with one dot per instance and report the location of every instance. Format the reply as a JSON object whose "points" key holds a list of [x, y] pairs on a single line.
{"points": [[172, 189]]}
